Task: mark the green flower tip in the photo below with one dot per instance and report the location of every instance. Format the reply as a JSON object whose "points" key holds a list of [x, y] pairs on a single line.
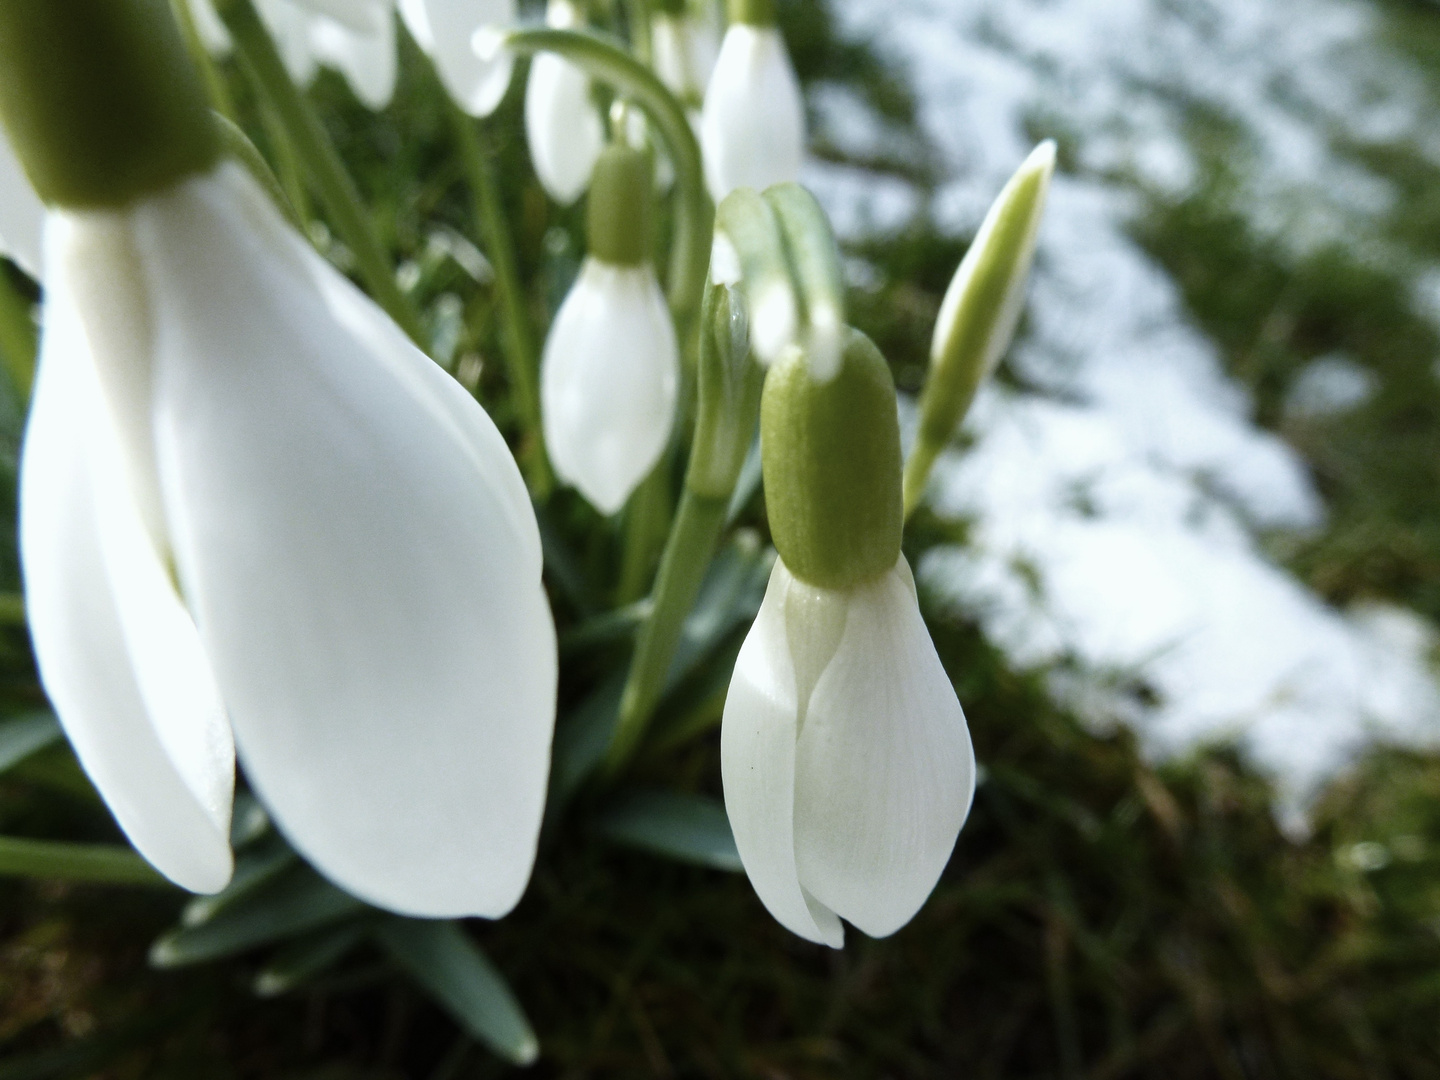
{"points": [[621, 207], [751, 12], [101, 102], [831, 457], [982, 306]]}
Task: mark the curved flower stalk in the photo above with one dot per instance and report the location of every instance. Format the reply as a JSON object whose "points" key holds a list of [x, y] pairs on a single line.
{"points": [[752, 128], [356, 37], [563, 128], [251, 510], [444, 28], [22, 214], [846, 760], [610, 373]]}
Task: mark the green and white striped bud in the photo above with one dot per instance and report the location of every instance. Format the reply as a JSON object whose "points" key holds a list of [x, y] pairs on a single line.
{"points": [[831, 456], [980, 312]]}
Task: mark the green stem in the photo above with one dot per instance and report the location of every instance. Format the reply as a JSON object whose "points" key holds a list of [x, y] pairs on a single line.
{"points": [[313, 145], [290, 172], [221, 100], [608, 62], [638, 15], [101, 864], [520, 353], [697, 528], [18, 335], [645, 521]]}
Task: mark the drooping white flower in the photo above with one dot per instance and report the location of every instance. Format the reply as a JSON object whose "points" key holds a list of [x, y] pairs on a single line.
{"points": [[444, 29], [22, 214], [609, 381], [846, 759], [752, 128], [250, 505], [356, 37], [685, 49], [563, 128]]}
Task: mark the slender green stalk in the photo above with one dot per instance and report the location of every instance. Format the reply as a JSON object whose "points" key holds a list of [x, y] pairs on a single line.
{"points": [[608, 62], [313, 145], [221, 100], [520, 354], [646, 519], [288, 168], [101, 864], [637, 13], [17, 336]]}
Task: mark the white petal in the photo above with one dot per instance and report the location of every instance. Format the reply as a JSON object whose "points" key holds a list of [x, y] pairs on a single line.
{"points": [[367, 60], [22, 214], [752, 128], [361, 16], [290, 26], [347, 536], [885, 772], [757, 766], [562, 126], [609, 381], [685, 51], [444, 28], [166, 779], [212, 30]]}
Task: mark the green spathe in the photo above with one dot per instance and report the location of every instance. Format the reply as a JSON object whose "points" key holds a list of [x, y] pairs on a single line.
{"points": [[831, 455], [621, 207], [100, 100]]}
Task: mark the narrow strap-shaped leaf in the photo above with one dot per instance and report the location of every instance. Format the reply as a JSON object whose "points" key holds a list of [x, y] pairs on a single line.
{"points": [[293, 903], [101, 864], [685, 827], [253, 870], [581, 738], [443, 959], [25, 735], [297, 964]]}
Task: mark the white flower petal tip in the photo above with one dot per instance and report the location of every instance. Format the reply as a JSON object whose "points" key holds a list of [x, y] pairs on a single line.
{"points": [[22, 214], [359, 558], [609, 382], [354, 37], [446, 30], [563, 128], [752, 127], [847, 763]]}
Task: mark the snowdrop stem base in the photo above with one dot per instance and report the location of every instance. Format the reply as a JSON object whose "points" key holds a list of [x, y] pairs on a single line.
{"points": [[694, 214], [313, 145], [698, 524], [17, 336], [494, 234]]}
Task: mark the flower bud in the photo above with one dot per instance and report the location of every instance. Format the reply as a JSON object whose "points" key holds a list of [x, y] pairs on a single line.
{"points": [[100, 99], [562, 126], [831, 457]]}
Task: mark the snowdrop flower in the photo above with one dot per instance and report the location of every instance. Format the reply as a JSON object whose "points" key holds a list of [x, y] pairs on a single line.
{"points": [[610, 374], [21, 214], [752, 128], [562, 125], [685, 48], [444, 29], [846, 760], [356, 37], [254, 516]]}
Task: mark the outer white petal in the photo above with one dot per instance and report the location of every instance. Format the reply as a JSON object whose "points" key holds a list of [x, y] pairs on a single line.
{"points": [[347, 535], [22, 214], [685, 50], [752, 128], [562, 126], [290, 26], [757, 766], [444, 28], [885, 772], [609, 381], [362, 16], [366, 59], [167, 781]]}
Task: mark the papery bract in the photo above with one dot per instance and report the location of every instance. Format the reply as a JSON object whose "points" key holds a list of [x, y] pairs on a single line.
{"points": [[562, 126], [610, 379], [846, 759], [752, 128], [245, 495], [444, 29]]}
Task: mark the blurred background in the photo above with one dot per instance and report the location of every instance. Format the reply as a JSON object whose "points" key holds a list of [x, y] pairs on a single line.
{"points": [[1183, 565]]}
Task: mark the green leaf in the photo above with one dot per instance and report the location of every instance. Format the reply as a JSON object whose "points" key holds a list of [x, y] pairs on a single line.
{"points": [[25, 735], [299, 963], [252, 870], [443, 959], [581, 738], [100, 864], [286, 906], [685, 827], [730, 596], [248, 821]]}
